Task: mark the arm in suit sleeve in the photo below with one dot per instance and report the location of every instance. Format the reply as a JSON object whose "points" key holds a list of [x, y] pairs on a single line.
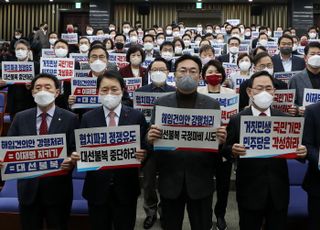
{"points": [[309, 137], [143, 131], [74, 124], [14, 127], [232, 138], [293, 85], [244, 99]]}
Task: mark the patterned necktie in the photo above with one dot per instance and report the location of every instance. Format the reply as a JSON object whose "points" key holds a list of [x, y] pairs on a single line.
{"points": [[112, 120], [262, 114], [43, 126], [233, 58]]}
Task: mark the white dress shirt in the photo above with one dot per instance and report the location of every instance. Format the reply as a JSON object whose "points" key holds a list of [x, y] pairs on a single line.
{"points": [[50, 113], [117, 110]]}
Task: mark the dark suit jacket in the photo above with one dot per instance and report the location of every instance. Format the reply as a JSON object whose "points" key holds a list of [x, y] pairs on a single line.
{"points": [[127, 72], [311, 139], [194, 169], [298, 63], [223, 58], [126, 181], [259, 181], [56, 189]]}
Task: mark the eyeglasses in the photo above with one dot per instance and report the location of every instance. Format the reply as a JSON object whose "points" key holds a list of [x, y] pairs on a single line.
{"points": [[95, 57], [264, 88], [184, 71]]}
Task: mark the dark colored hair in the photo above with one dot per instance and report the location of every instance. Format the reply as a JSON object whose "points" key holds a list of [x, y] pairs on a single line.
{"points": [[85, 39], [134, 49], [111, 74], [188, 57], [216, 64], [98, 46], [108, 39], [259, 56], [206, 48], [148, 35], [159, 59], [62, 41], [132, 30], [159, 34], [122, 35], [179, 40], [22, 41], [254, 52], [234, 38], [285, 36], [96, 42], [311, 45], [166, 43], [46, 75], [242, 55], [259, 74], [126, 23], [52, 33]]}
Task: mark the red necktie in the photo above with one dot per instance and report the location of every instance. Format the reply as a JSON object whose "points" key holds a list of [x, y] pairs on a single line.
{"points": [[262, 114], [43, 126], [112, 120]]}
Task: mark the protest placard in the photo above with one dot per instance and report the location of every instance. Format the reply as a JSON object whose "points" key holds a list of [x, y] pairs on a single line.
{"points": [[106, 148], [266, 137], [119, 59], [79, 57], [230, 68], [71, 38], [62, 68], [310, 96], [284, 99], [85, 91], [132, 83], [187, 129], [229, 105], [17, 72], [48, 53], [285, 76], [144, 101], [32, 156]]}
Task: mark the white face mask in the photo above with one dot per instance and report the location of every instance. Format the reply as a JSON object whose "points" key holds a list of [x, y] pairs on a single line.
{"points": [[314, 61], [209, 31], [312, 35], [263, 100], [89, 32], [247, 34], [160, 41], [186, 42], [43, 98], [158, 77], [110, 101], [126, 30], [52, 41], [135, 61], [61, 53], [263, 42], [21, 54], [133, 39], [167, 56], [17, 37], [197, 42], [168, 32], [294, 47], [234, 50], [98, 66], [205, 60], [148, 46], [84, 48], [269, 70], [178, 50], [220, 41], [269, 33], [244, 66], [176, 34], [235, 35]]}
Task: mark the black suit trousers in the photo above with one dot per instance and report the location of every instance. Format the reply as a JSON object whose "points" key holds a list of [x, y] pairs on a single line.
{"points": [[113, 215], [314, 212], [199, 212]]}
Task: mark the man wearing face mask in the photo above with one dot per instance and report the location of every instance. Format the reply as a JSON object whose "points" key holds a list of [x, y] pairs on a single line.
{"points": [[262, 184], [19, 96], [46, 199], [119, 42], [53, 37], [17, 36], [313, 33], [84, 45], [232, 55], [112, 194], [309, 78], [158, 72], [133, 39], [262, 62], [126, 26], [167, 53], [182, 182], [41, 36], [148, 46], [285, 61]]}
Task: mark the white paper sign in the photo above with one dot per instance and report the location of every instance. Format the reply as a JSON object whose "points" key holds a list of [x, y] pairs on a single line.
{"points": [[310, 96], [17, 72], [62, 68]]}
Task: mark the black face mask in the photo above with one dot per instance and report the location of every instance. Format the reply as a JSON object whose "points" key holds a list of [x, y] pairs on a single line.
{"points": [[45, 28], [286, 50], [119, 45]]}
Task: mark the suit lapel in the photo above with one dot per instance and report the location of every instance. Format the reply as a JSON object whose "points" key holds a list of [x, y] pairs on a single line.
{"points": [[124, 116], [56, 121], [32, 125]]}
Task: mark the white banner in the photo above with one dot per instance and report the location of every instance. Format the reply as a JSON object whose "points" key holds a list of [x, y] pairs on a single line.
{"points": [[17, 72]]}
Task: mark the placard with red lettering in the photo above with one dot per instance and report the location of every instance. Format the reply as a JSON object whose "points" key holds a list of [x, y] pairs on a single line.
{"points": [[132, 83], [107, 148], [32, 156], [229, 105], [271, 137], [62, 68], [119, 59], [85, 91], [71, 38], [283, 100], [187, 129], [17, 72]]}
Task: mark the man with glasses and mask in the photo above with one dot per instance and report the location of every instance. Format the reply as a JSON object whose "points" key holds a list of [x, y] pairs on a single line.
{"points": [[158, 72], [186, 177], [262, 184], [285, 61]]}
